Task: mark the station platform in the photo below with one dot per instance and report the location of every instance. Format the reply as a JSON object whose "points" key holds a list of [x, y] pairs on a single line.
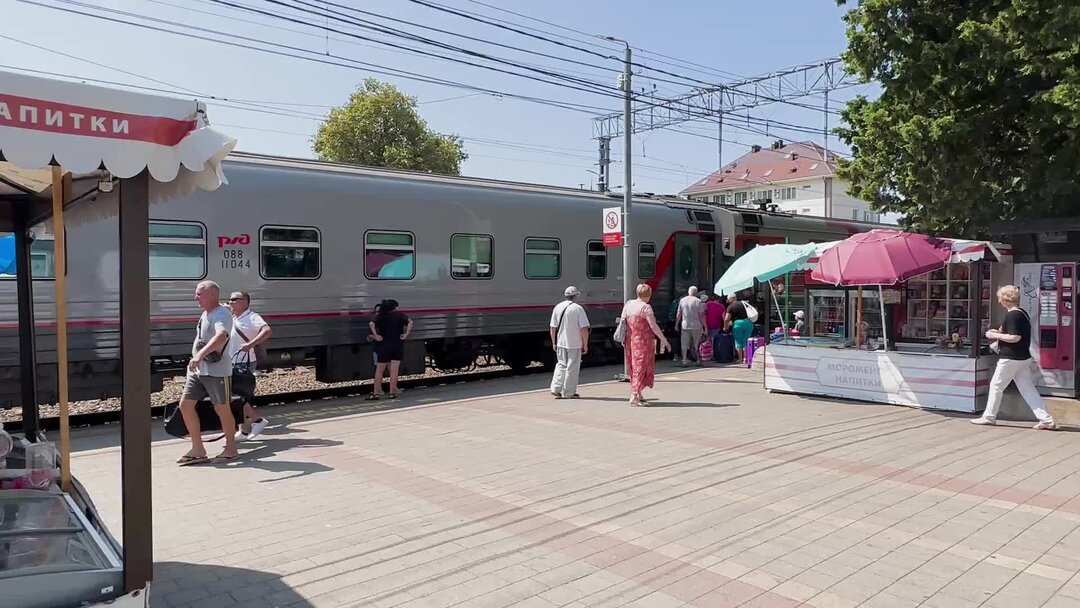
{"points": [[719, 494]]}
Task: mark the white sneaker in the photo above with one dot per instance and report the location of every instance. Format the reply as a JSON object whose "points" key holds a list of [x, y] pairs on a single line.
{"points": [[241, 435], [258, 427], [1045, 426], [986, 421]]}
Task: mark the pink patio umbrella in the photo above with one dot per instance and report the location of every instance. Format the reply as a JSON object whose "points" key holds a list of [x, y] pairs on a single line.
{"points": [[881, 257]]}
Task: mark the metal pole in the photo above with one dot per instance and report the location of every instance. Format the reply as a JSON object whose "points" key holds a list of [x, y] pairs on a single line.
{"points": [[628, 180], [59, 197], [24, 285], [884, 328], [135, 479], [720, 142]]}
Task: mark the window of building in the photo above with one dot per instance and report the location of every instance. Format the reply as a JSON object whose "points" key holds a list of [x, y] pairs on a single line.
{"points": [[785, 194], [177, 250], [288, 252], [806, 210], [740, 198], [543, 258], [389, 255], [42, 261], [596, 264], [855, 214], [646, 260], [471, 256]]}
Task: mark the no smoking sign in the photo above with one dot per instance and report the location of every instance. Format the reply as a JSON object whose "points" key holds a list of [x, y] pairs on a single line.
{"points": [[613, 226]]}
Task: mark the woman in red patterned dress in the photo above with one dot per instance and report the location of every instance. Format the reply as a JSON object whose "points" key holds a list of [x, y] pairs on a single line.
{"points": [[640, 343]]}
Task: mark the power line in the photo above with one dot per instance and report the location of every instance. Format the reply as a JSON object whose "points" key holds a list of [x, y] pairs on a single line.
{"points": [[455, 34], [352, 64], [571, 82]]}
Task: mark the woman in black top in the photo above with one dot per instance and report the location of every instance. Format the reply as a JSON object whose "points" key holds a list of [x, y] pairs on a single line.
{"points": [[1013, 344], [389, 329]]}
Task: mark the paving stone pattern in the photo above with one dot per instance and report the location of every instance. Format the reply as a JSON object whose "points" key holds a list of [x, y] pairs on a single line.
{"points": [[719, 495]]}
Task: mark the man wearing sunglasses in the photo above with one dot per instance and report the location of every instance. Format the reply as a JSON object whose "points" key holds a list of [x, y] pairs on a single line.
{"points": [[249, 330]]}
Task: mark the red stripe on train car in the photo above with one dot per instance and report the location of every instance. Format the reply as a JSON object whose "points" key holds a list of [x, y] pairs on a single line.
{"points": [[324, 315]]}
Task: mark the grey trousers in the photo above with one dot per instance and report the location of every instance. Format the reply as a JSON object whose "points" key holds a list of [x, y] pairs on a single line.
{"points": [[565, 379]]}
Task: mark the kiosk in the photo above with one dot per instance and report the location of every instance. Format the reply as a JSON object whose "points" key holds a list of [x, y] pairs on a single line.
{"points": [[917, 342], [54, 550]]}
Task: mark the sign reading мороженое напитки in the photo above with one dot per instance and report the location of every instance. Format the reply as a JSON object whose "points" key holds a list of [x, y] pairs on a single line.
{"points": [[857, 375]]}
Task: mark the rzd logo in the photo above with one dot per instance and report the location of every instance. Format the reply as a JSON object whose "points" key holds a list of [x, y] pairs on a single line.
{"points": [[225, 241]]}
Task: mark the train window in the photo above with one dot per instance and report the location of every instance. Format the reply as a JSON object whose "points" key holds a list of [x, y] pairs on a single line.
{"points": [[177, 251], [543, 258], [287, 252], [596, 264], [471, 256], [646, 260], [42, 260], [389, 255]]}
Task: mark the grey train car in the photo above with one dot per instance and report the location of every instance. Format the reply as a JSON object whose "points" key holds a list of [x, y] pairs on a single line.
{"points": [[477, 264]]}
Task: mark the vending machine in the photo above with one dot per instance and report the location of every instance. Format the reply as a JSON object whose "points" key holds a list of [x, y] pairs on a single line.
{"points": [[1047, 293]]}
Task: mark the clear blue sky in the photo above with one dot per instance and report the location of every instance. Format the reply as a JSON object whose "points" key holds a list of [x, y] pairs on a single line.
{"points": [[506, 138]]}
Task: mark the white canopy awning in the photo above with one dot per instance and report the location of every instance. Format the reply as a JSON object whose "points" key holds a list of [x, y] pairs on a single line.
{"points": [[86, 127]]}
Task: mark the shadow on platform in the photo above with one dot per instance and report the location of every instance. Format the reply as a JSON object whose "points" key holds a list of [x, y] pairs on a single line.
{"points": [[256, 454], [183, 585], [86, 439]]}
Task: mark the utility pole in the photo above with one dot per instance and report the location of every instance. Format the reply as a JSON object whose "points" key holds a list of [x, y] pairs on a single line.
{"points": [[629, 289], [628, 190], [720, 141], [605, 164]]}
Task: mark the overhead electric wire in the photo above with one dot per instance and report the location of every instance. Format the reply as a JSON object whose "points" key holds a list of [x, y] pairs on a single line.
{"points": [[246, 38], [572, 82], [455, 34], [352, 64]]}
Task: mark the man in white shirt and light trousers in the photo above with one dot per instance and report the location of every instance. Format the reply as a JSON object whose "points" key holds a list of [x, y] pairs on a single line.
{"points": [[570, 339]]}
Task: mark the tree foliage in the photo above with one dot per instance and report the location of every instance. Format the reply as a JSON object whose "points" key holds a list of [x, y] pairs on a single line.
{"points": [[380, 127], [979, 116]]}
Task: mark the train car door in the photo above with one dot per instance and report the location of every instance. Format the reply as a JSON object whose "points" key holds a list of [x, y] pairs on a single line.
{"points": [[685, 266], [705, 265]]}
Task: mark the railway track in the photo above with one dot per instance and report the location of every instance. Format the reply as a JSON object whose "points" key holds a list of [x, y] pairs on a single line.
{"points": [[112, 416]]}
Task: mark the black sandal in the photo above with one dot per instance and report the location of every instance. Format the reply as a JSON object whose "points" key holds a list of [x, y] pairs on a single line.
{"points": [[373, 397]]}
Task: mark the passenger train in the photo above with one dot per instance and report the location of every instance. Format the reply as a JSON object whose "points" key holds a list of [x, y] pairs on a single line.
{"points": [[477, 263]]}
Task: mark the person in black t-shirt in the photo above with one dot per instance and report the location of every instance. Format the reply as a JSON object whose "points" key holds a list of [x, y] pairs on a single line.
{"points": [[389, 329], [1012, 341]]}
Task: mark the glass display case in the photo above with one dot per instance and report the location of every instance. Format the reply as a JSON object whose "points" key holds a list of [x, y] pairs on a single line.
{"points": [[871, 313], [943, 303], [50, 555], [828, 312]]}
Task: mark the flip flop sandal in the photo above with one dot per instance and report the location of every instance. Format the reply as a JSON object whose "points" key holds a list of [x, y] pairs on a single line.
{"points": [[187, 460], [224, 459], [372, 397]]}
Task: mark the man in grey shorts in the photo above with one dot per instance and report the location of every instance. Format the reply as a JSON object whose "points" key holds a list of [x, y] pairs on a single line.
{"points": [[209, 375]]}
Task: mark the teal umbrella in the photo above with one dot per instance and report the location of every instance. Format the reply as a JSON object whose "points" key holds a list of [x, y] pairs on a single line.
{"points": [[766, 262]]}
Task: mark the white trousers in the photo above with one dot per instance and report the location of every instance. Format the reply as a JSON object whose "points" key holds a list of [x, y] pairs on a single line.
{"points": [[564, 381], [1020, 372]]}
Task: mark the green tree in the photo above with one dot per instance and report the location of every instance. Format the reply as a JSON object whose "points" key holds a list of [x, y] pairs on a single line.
{"points": [[978, 117], [380, 127]]}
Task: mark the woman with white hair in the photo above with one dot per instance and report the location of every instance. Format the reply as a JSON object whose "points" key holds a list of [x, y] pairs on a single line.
{"points": [[1012, 341]]}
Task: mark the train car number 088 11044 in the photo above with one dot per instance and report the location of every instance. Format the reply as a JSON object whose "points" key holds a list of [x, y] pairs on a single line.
{"points": [[233, 259]]}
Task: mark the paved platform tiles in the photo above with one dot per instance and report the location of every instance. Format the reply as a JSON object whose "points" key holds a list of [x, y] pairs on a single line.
{"points": [[719, 495]]}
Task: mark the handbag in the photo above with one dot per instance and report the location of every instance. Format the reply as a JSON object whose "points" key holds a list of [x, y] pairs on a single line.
{"points": [[620, 328], [260, 349], [173, 420], [751, 312], [211, 357]]}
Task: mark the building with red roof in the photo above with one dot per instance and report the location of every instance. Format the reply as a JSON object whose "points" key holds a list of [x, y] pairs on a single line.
{"points": [[791, 177]]}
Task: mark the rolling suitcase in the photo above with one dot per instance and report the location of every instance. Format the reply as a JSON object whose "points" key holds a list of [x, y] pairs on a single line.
{"points": [[724, 349]]}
